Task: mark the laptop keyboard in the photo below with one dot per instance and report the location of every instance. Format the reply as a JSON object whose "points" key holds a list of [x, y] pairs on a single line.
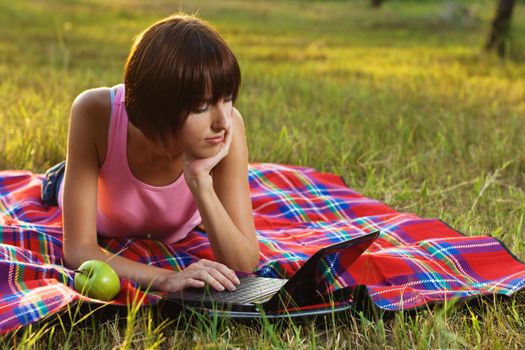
{"points": [[251, 288]]}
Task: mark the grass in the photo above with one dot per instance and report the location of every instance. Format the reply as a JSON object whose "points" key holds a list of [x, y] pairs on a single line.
{"points": [[400, 101]]}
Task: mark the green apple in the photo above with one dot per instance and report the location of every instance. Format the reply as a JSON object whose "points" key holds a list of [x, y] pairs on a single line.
{"points": [[97, 279]]}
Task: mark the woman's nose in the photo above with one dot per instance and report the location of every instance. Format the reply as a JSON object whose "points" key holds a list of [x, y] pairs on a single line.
{"points": [[222, 117]]}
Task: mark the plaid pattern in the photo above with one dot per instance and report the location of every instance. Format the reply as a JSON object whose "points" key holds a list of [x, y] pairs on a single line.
{"points": [[297, 211]]}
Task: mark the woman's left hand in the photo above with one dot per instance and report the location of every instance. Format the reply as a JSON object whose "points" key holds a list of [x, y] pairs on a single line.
{"points": [[197, 170]]}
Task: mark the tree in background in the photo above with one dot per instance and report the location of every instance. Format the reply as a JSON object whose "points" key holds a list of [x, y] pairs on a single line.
{"points": [[500, 34]]}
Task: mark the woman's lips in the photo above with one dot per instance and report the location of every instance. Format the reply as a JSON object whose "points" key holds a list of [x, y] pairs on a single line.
{"points": [[215, 140]]}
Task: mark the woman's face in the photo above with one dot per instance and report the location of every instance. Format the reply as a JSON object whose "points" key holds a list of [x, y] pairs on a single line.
{"points": [[203, 131]]}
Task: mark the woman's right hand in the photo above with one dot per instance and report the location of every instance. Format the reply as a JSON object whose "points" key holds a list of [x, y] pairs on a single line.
{"points": [[198, 274]]}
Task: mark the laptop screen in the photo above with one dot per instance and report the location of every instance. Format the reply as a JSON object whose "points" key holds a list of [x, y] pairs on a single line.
{"points": [[303, 288]]}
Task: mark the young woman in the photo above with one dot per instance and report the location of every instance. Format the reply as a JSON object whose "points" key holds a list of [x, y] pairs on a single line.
{"points": [[158, 155]]}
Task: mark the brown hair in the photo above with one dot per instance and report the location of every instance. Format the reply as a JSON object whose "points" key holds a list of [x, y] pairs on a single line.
{"points": [[174, 66]]}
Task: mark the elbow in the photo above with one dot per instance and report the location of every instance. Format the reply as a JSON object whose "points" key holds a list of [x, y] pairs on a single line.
{"points": [[75, 256], [71, 260], [251, 263], [256, 258]]}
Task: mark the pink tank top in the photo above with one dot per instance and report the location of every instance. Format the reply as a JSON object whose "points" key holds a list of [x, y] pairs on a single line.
{"points": [[128, 207]]}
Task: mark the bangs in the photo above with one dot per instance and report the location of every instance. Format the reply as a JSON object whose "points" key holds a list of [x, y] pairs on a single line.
{"points": [[216, 76]]}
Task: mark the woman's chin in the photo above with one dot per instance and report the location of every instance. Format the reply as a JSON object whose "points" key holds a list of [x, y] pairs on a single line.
{"points": [[207, 152]]}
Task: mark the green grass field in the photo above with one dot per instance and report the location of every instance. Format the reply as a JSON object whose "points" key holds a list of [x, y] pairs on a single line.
{"points": [[401, 101]]}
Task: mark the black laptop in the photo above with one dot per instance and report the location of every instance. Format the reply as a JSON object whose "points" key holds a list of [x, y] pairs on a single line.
{"points": [[298, 296]]}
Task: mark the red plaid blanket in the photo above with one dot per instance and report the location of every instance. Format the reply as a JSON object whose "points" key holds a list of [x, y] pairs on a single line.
{"points": [[297, 210]]}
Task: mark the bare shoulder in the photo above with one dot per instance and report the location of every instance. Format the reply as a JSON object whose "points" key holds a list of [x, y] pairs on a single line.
{"points": [[237, 117], [239, 133], [93, 99], [91, 111], [235, 162]]}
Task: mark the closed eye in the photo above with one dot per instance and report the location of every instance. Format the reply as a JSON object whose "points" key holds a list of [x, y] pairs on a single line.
{"points": [[201, 109], [205, 106]]}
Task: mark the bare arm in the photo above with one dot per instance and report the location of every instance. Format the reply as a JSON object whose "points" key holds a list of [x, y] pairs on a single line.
{"points": [[88, 115], [224, 203]]}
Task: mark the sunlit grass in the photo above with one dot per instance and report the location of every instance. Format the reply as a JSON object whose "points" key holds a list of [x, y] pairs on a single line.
{"points": [[490, 324], [402, 103]]}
